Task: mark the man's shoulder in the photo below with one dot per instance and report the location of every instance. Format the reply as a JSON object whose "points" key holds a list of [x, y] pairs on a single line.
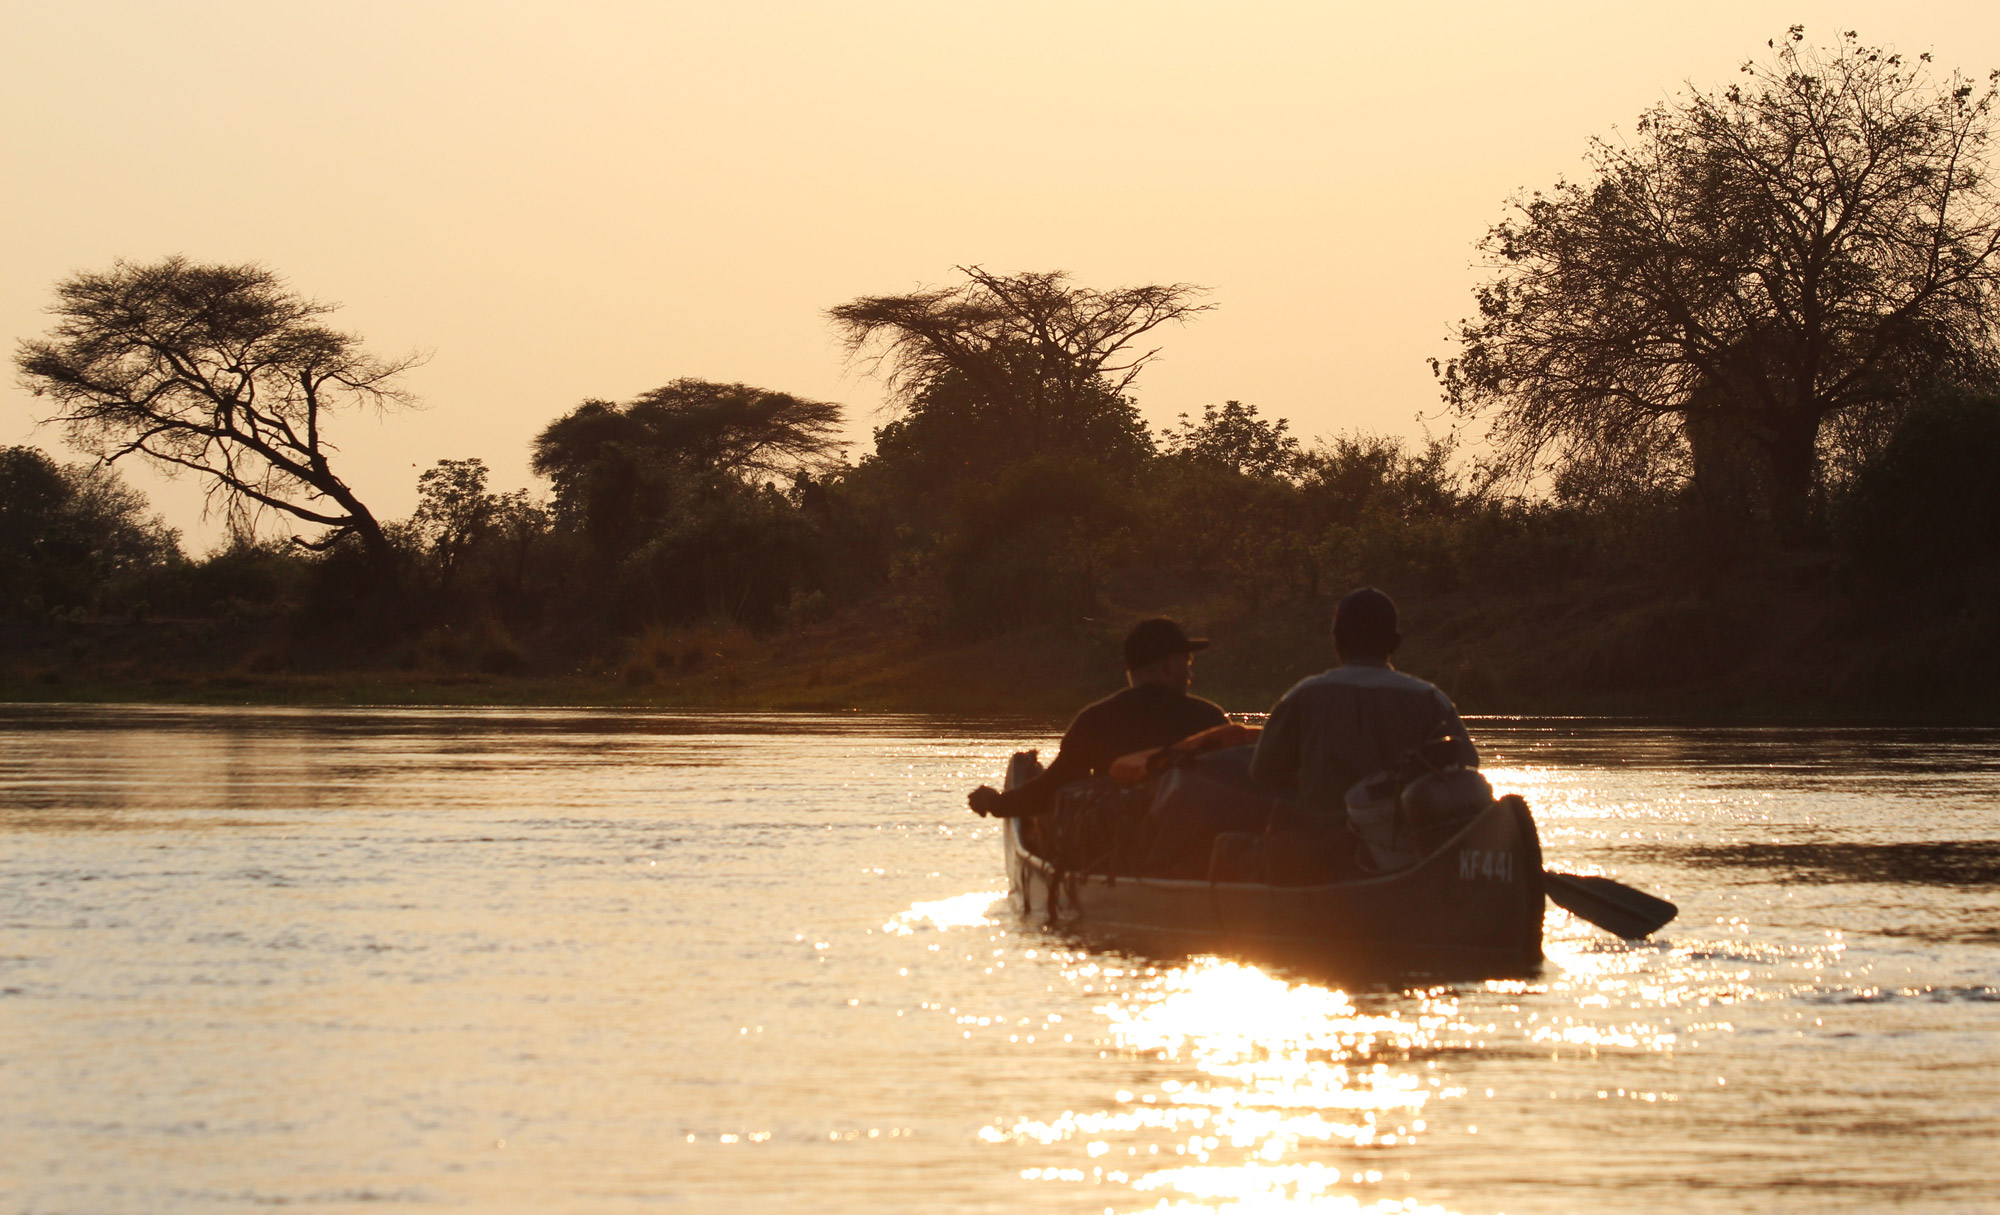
{"points": [[1197, 706], [1359, 676], [1114, 705], [1106, 702], [1197, 702], [1147, 698]]}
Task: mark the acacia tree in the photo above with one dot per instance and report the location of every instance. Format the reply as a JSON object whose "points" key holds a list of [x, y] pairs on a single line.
{"points": [[1047, 356], [221, 370], [1774, 266], [951, 435]]}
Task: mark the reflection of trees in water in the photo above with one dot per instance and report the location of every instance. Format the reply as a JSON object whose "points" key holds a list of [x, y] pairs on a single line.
{"points": [[1749, 754], [1932, 863]]}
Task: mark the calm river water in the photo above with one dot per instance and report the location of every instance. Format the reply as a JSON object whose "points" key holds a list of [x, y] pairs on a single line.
{"points": [[618, 961]]}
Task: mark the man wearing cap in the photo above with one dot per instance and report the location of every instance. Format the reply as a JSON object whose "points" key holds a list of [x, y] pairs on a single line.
{"points": [[1154, 710], [1347, 724]]}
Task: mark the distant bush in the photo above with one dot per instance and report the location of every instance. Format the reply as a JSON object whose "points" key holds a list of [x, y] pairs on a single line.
{"points": [[1926, 509], [1029, 546], [249, 571], [77, 538], [730, 552]]}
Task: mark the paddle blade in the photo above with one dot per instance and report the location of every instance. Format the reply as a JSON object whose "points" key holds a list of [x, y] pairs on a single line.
{"points": [[1613, 906]]}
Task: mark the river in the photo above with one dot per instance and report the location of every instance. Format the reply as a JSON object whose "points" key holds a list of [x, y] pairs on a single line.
{"points": [[596, 961]]}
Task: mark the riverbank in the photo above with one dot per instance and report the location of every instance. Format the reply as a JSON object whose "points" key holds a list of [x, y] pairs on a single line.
{"points": [[1779, 645]]}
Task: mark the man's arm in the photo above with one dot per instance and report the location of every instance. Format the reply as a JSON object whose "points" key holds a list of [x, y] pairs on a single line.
{"points": [[1038, 795]]}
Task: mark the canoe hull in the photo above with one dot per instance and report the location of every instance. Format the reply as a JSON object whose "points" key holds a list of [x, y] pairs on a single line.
{"points": [[1476, 904]]}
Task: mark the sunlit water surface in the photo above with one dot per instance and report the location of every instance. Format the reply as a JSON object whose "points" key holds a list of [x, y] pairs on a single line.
{"points": [[597, 962]]}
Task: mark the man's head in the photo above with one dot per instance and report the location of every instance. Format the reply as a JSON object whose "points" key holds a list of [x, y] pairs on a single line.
{"points": [[1364, 626], [1156, 651]]}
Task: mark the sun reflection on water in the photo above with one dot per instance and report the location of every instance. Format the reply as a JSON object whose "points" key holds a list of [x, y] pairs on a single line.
{"points": [[960, 911], [1234, 1088], [1251, 1091], [1274, 1070]]}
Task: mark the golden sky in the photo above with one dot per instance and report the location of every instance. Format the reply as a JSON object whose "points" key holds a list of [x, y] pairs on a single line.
{"points": [[591, 199]]}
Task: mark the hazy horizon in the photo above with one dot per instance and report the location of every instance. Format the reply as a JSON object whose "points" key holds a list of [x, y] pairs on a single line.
{"points": [[593, 202]]}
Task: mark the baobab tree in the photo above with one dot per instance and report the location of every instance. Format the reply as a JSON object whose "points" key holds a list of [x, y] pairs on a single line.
{"points": [[1766, 268]]}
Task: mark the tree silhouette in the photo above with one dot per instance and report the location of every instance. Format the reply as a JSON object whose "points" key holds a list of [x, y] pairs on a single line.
{"points": [[1233, 437], [732, 430], [1760, 268], [1045, 357], [456, 517], [619, 470], [951, 435], [67, 533], [221, 370]]}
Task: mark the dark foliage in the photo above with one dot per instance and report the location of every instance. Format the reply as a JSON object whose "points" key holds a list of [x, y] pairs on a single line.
{"points": [[1751, 289], [734, 552], [1030, 545], [620, 470], [1233, 438], [1924, 514], [689, 524], [76, 538], [993, 497], [669, 502], [474, 544], [951, 433]]}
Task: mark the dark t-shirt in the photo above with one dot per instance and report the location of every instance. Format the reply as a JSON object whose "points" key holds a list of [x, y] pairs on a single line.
{"points": [[1136, 719]]}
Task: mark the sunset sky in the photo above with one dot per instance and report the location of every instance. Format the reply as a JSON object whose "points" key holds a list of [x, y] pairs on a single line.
{"points": [[589, 200]]}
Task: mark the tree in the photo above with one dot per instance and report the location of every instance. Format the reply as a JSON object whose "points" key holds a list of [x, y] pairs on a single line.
{"points": [[951, 435], [221, 370], [1922, 512], [1049, 361], [1029, 544], [1233, 437], [69, 533], [1761, 268], [453, 511], [617, 469], [458, 524]]}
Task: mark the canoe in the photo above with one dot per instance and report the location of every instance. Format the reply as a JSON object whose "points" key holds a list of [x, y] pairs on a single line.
{"points": [[1473, 906]]}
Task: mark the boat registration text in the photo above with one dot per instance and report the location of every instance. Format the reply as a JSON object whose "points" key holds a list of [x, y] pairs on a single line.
{"points": [[1485, 864]]}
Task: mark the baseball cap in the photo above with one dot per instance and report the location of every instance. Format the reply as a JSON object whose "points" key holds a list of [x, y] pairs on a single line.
{"points": [[1154, 639]]}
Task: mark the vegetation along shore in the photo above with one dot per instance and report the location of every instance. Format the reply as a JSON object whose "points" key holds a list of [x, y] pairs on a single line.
{"points": [[1720, 439]]}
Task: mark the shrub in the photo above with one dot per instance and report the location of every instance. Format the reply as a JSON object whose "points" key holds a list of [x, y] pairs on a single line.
{"points": [[1926, 509]]}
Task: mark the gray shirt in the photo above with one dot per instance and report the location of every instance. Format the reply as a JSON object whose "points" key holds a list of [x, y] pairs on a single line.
{"points": [[1349, 723]]}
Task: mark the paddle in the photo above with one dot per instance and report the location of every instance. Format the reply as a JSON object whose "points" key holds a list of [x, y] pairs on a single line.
{"points": [[1613, 906]]}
